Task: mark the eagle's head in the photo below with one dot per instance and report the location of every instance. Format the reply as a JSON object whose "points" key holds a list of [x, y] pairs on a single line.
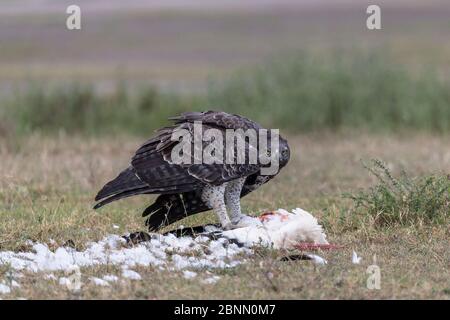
{"points": [[285, 152], [278, 157]]}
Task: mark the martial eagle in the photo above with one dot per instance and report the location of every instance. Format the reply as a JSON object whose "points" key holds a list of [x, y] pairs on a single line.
{"points": [[188, 188]]}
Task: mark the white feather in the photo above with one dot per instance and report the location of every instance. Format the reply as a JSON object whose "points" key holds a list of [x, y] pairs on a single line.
{"points": [[355, 258], [316, 259], [280, 230]]}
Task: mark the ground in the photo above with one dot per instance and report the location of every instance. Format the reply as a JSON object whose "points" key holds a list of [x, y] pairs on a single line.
{"points": [[48, 185], [48, 182]]}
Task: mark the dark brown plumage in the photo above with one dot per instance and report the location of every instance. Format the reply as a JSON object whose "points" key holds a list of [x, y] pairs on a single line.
{"points": [[181, 186]]}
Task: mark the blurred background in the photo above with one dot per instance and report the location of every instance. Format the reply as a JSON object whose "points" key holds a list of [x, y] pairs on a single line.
{"points": [[295, 65]]}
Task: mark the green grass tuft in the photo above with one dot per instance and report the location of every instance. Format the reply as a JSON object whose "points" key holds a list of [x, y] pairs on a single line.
{"points": [[404, 200]]}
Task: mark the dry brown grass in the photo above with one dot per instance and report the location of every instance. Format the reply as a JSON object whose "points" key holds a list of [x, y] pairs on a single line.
{"points": [[47, 187]]}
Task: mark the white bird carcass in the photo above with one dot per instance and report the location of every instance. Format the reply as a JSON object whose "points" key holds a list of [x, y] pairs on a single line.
{"points": [[278, 229]]}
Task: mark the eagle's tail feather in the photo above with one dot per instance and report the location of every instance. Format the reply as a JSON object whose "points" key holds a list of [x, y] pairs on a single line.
{"points": [[127, 184], [125, 181], [121, 195]]}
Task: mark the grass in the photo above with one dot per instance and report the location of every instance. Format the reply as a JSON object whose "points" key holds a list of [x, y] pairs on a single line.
{"points": [[78, 108], [298, 92], [404, 200], [59, 143], [338, 90], [48, 184]]}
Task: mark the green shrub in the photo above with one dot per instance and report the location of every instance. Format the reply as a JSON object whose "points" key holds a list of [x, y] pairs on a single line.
{"points": [[404, 200]]}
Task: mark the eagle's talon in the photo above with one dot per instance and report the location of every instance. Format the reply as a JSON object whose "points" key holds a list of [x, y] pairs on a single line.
{"points": [[245, 221], [229, 226]]}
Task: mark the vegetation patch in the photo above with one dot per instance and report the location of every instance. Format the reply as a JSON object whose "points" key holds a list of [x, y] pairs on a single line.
{"points": [[404, 200], [300, 92]]}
